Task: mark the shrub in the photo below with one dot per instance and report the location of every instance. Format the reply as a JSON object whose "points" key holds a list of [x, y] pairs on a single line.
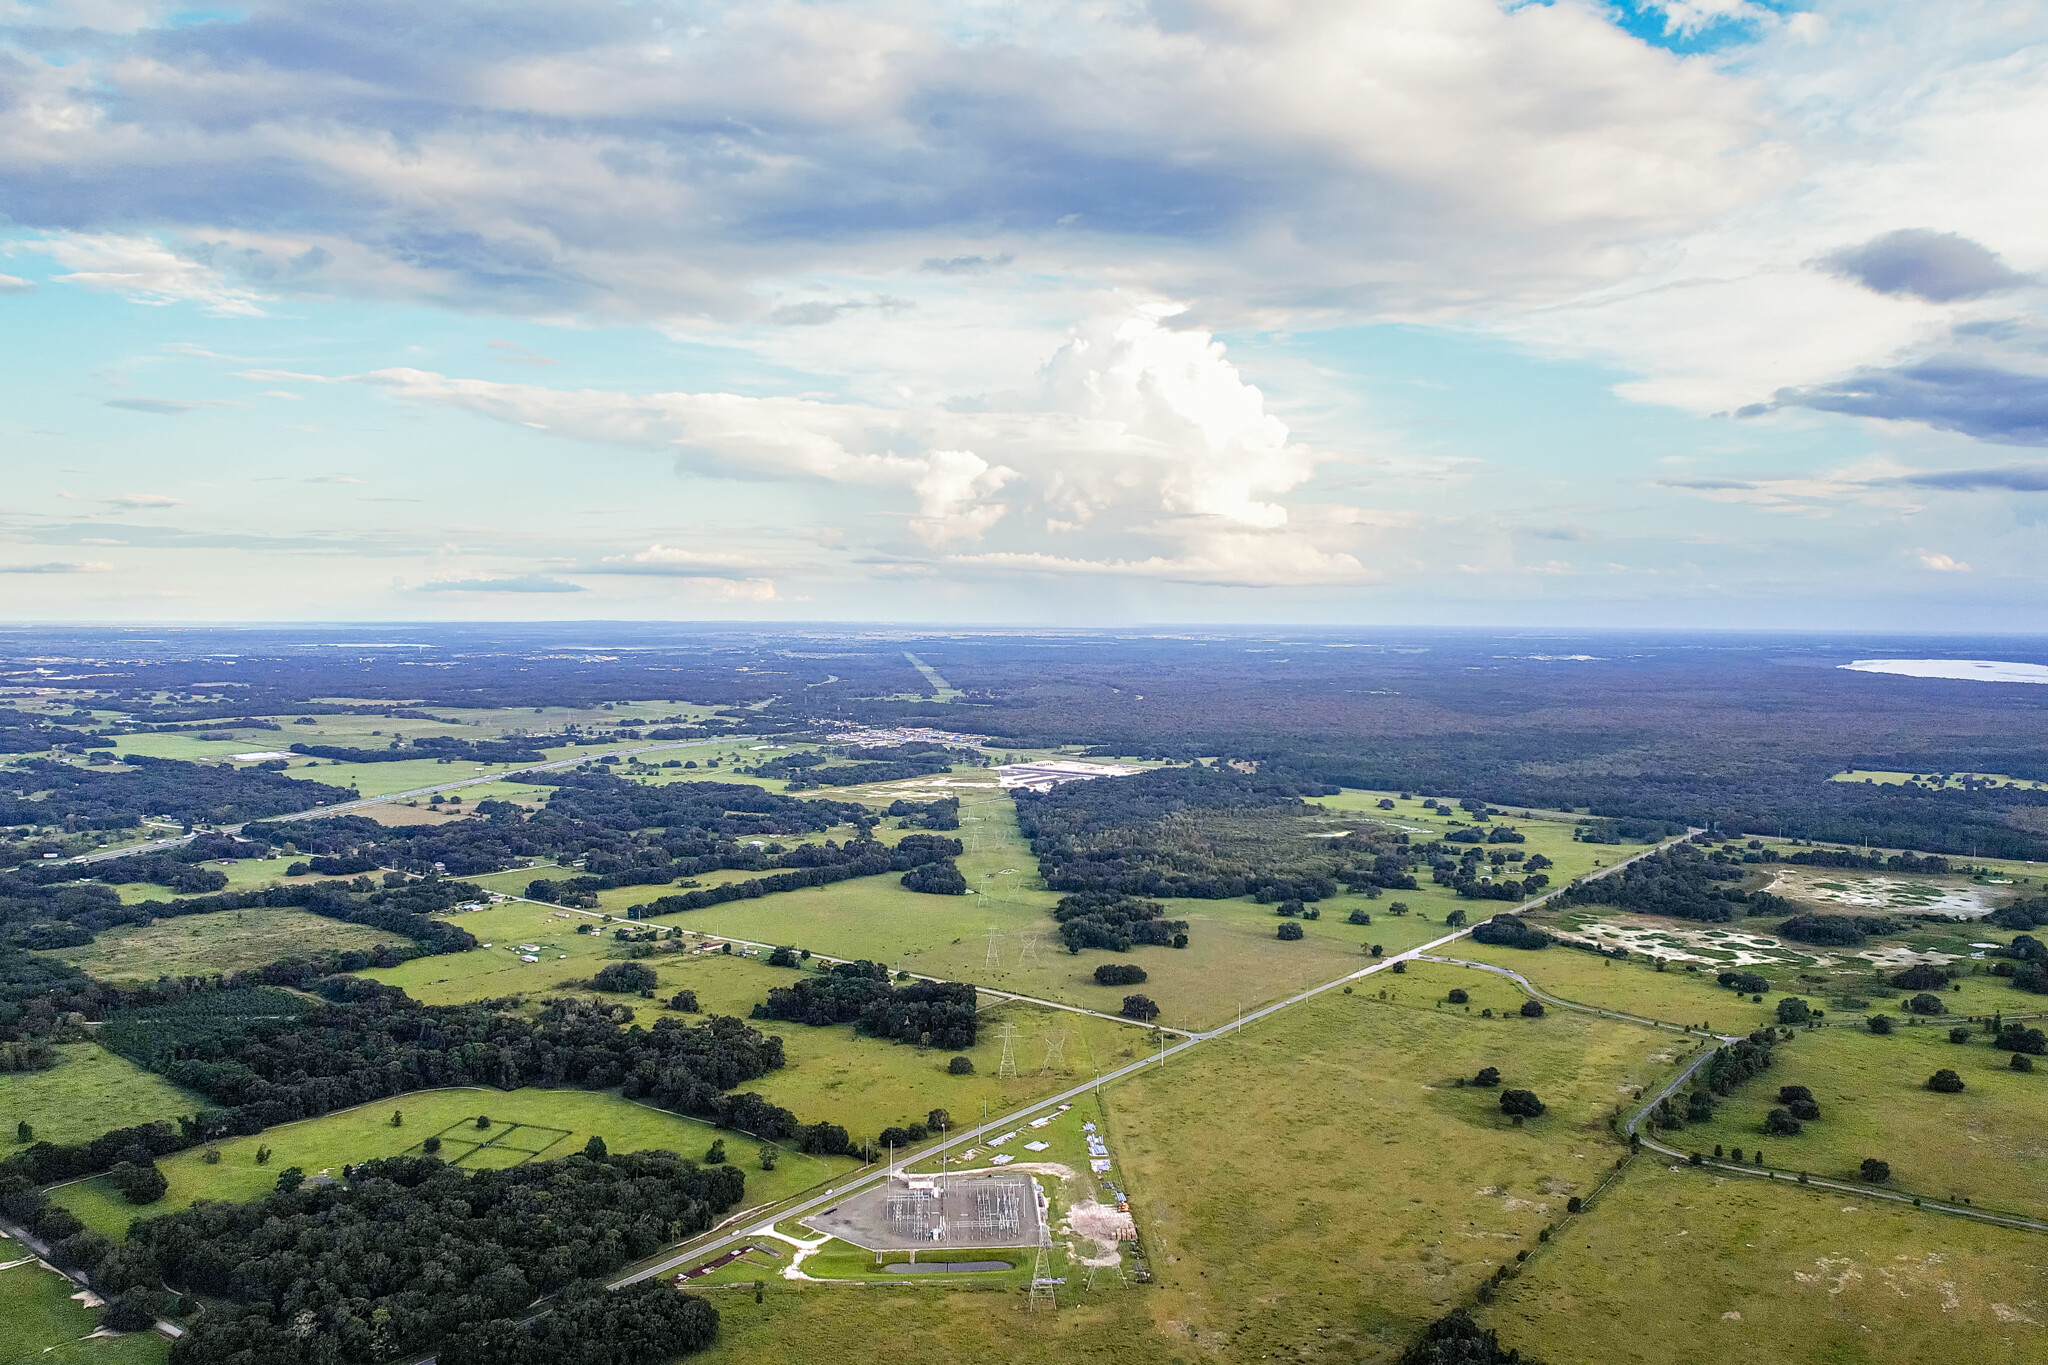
{"points": [[1290, 931], [2022, 1062], [1119, 974], [937, 879], [1945, 1081], [1520, 1104], [1874, 1171], [1879, 1023], [1532, 1009], [1574, 1205], [627, 978], [1488, 1076], [1458, 996], [1959, 1035], [960, 1066]]}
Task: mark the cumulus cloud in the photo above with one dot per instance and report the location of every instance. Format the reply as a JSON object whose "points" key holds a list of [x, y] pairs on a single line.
{"points": [[654, 161], [14, 284], [1940, 267], [1133, 435], [1940, 563]]}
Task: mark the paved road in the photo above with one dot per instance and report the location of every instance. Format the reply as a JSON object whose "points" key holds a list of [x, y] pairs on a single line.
{"points": [[754, 1227]]}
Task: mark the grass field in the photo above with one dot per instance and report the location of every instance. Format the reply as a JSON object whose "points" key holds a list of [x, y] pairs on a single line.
{"points": [[326, 1144], [225, 941], [1989, 1143], [41, 1321], [1951, 781], [1674, 1264], [1633, 986], [1323, 1187], [86, 1094]]}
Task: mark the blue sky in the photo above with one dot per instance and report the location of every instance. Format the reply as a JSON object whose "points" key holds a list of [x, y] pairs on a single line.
{"points": [[1707, 313]]}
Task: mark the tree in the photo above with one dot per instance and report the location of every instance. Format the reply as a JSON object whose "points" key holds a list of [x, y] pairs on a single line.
{"points": [[1532, 1009], [289, 1179], [1793, 1010], [1946, 1082], [1488, 1077], [1287, 909], [714, 1155], [1455, 919], [1139, 1007], [2022, 1062], [1397, 908], [784, 957], [1577, 1205], [1359, 917], [24, 1131], [431, 1146], [961, 1066], [483, 1121], [1780, 1123], [1874, 1171], [595, 1148], [1458, 995], [937, 1120], [1879, 1023], [942, 878], [769, 1156], [398, 1118], [685, 1001], [1520, 1104], [1119, 974], [1959, 1035], [1289, 931], [138, 1183], [1399, 968], [1377, 951], [1457, 1340], [628, 978], [1925, 1003]]}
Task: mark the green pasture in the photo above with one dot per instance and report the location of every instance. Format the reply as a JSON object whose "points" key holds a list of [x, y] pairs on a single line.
{"points": [[497, 971], [243, 874], [1321, 1185], [326, 1144], [224, 941], [797, 1321], [42, 1321], [1984, 1144], [1951, 781], [1674, 1262], [1634, 986], [87, 1093]]}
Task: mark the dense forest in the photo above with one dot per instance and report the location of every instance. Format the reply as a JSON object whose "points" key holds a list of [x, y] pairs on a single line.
{"points": [[929, 1013], [189, 793], [409, 1252], [1681, 881]]}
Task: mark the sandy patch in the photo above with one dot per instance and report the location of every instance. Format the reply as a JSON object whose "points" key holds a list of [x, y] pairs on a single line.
{"points": [[1662, 938], [1104, 1226], [1881, 891]]}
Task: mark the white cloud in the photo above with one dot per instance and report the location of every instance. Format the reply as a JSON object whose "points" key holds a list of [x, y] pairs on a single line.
{"points": [[146, 271], [1940, 563]]}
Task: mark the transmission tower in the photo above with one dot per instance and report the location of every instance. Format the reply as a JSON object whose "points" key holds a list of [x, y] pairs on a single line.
{"points": [[994, 959], [1030, 950], [1055, 1053], [1116, 1269], [1041, 1283], [1008, 1065]]}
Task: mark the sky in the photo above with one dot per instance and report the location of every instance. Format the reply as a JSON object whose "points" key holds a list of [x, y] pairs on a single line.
{"points": [[1701, 313]]}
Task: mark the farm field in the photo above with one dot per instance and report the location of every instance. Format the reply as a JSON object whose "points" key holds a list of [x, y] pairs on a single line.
{"points": [[1951, 781], [324, 1145], [1323, 1186], [1742, 1270], [41, 1321], [88, 1093], [489, 973], [1986, 1144], [203, 945]]}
